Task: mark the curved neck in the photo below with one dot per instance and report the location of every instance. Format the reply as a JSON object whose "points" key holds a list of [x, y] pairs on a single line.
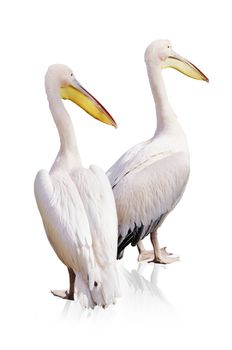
{"points": [[164, 112], [68, 145]]}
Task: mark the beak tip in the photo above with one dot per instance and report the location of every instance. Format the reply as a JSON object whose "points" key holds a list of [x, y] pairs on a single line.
{"points": [[113, 123]]}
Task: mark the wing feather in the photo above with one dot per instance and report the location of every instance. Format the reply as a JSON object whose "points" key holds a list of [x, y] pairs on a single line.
{"points": [[150, 190], [98, 200], [65, 220], [125, 162]]}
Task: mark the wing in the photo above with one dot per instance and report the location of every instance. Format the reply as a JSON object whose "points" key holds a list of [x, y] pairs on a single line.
{"points": [[138, 157], [97, 197], [98, 200], [65, 220], [146, 193]]}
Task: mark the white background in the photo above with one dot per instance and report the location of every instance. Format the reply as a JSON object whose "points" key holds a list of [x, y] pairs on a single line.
{"points": [[183, 306]]}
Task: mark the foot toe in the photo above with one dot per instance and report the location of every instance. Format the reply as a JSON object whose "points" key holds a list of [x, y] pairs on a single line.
{"points": [[165, 260], [146, 255], [64, 294]]}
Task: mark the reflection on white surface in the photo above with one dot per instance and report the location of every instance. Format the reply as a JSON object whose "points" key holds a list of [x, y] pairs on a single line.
{"points": [[141, 295]]}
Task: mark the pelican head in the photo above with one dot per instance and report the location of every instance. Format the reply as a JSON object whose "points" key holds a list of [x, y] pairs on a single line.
{"points": [[161, 52], [61, 78]]}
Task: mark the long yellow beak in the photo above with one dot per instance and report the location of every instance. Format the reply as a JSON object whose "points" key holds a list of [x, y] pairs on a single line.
{"points": [[77, 94], [184, 66]]}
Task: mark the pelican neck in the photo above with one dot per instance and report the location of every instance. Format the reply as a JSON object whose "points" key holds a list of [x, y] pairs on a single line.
{"points": [[164, 112], [68, 145]]}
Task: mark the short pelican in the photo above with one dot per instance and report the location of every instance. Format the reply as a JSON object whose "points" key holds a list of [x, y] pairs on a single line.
{"points": [[77, 204], [149, 179]]}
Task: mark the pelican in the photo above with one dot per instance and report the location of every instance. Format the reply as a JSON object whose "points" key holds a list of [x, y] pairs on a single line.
{"points": [[77, 204], [150, 178]]}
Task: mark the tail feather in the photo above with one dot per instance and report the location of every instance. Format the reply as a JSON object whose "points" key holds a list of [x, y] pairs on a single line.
{"points": [[109, 289], [94, 278], [102, 287], [83, 292]]}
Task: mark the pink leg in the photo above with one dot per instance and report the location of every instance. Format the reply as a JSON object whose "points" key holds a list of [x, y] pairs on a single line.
{"points": [[143, 253], [67, 294], [161, 256]]}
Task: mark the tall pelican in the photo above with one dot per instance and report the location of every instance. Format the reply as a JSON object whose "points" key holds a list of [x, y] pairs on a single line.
{"points": [[150, 178], [77, 204]]}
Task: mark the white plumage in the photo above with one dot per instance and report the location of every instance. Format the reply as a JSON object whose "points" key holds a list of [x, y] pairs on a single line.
{"points": [[77, 207], [149, 179]]}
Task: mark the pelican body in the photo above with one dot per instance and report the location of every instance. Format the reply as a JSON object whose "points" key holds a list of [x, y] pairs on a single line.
{"points": [[77, 204], [149, 179]]}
